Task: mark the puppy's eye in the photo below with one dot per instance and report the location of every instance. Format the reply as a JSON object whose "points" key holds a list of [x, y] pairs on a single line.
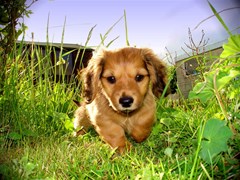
{"points": [[139, 78], [111, 79]]}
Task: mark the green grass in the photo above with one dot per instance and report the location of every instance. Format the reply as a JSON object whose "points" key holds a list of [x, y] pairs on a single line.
{"points": [[64, 157], [36, 133]]}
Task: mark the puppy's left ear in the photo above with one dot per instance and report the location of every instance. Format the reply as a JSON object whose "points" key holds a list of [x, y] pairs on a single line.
{"points": [[157, 71], [91, 77]]}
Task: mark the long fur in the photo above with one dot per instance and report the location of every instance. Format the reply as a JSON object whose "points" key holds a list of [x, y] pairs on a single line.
{"points": [[119, 90]]}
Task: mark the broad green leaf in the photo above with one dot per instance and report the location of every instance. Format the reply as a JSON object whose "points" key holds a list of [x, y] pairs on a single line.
{"points": [[226, 78], [215, 137], [203, 90], [69, 125], [14, 136], [29, 133], [28, 168], [166, 121], [168, 151], [232, 48]]}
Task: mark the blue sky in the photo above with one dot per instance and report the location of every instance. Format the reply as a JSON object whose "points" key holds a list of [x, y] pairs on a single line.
{"points": [[151, 23]]}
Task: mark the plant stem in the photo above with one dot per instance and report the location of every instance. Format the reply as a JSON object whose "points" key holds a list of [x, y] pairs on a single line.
{"points": [[220, 100]]}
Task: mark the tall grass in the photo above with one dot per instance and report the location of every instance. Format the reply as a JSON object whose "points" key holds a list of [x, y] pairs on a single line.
{"points": [[35, 131]]}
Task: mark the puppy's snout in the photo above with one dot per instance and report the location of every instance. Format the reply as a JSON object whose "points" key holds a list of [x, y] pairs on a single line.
{"points": [[126, 101]]}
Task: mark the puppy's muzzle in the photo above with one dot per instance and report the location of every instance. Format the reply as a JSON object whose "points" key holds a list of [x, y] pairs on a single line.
{"points": [[126, 101]]}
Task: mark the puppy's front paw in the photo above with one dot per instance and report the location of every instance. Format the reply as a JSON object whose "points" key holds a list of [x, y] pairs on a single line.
{"points": [[79, 131], [126, 148]]}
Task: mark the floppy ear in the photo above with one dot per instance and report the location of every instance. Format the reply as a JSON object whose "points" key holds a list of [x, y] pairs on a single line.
{"points": [[91, 78], [157, 70]]}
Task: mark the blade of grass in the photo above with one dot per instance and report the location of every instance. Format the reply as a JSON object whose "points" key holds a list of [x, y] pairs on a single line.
{"points": [[227, 9], [47, 33], [205, 170], [83, 49], [126, 28], [104, 37], [196, 158], [219, 19], [112, 41], [63, 71]]}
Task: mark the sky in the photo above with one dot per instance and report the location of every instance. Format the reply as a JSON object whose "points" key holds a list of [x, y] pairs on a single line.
{"points": [[156, 24]]}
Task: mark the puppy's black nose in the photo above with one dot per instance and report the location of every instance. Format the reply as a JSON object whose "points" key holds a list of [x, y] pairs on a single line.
{"points": [[126, 101]]}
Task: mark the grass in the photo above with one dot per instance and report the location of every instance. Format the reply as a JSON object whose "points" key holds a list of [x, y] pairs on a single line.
{"points": [[36, 133], [65, 157]]}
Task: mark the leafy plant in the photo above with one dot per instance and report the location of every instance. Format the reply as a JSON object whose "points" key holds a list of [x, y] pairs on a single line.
{"points": [[214, 139], [214, 82], [26, 167], [221, 84], [231, 50], [222, 73]]}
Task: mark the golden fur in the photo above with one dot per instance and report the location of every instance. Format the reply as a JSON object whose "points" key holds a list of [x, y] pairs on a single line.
{"points": [[119, 88]]}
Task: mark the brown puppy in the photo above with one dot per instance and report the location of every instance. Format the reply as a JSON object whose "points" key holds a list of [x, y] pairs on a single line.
{"points": [[119, 90]]}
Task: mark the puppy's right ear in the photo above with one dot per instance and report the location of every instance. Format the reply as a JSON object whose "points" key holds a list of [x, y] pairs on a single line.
{"points": [[157, 70], [77, 103], [91, 78]]}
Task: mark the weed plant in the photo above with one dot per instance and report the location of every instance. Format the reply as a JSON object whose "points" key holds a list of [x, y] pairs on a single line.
{"points": [[195, 138]]}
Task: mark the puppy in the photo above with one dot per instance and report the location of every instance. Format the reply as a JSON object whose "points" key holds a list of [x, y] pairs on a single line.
{"points": [[119, 89]]}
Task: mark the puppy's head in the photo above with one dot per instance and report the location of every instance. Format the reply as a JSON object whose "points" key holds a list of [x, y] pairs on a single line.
{"points": [[124, 77]]}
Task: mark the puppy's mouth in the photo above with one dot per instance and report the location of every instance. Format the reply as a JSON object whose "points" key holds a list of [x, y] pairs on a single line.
{"points": [[127, 112]]}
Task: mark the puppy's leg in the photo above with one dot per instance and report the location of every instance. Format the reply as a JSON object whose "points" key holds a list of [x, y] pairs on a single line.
{"points": [[81, 122], [141, 131], [114, 135]]}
